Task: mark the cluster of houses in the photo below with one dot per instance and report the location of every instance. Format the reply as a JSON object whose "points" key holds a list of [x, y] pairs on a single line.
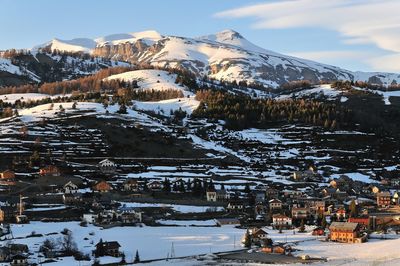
{"points": [[344, 211]]}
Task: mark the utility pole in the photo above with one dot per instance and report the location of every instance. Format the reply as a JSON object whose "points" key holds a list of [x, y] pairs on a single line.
{"points": [[172, 250]]}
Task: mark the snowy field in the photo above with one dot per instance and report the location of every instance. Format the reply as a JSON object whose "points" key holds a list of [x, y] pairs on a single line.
{"points": [[151, 242], [156, 242], [187, 104], [148, 79], [324, 90], [175, 207]]}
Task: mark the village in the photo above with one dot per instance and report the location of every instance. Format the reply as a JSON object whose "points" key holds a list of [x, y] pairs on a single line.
{"points": [[340, 210]]}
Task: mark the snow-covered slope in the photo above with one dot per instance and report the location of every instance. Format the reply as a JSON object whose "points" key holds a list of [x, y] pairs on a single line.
{"points": [[148, 79], [187, 104], [7, 66], [151, 79], [226, 55], [87, 45]]}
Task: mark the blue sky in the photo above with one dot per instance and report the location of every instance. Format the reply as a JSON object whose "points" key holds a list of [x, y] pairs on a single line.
{"points": [[353, 34]]}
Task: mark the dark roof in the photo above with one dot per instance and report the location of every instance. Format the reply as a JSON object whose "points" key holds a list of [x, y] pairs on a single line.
{"points": [[109, 245], [19, 257]]}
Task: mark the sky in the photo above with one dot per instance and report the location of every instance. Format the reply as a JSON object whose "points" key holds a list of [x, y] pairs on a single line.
{"points": [[353, 34]]}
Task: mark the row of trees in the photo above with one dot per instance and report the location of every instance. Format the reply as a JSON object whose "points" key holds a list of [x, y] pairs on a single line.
{"points": [[197, 186], [348, 85], [241, 111]]}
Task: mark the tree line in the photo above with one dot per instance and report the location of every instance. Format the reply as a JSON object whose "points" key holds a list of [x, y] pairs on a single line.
{"points": [[240, 111]]}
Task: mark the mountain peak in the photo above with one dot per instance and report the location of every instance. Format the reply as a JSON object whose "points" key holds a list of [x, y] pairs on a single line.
{"points": [[229, 34]]}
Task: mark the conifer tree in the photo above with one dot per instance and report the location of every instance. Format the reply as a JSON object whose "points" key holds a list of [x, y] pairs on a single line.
{"points": [[137, 258]]}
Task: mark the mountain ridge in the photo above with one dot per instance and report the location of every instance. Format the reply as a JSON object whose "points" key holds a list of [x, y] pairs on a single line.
{"points": [[225, 55]]}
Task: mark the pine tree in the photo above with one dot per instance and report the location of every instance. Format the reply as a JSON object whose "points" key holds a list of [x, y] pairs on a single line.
{"points": [[137, 258], [182, 187], [166, 185], [123, 261], [122, 109], [353, 209]]}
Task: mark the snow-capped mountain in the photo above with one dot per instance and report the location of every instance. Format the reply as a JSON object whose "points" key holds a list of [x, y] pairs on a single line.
{"points": [[226, 55]]}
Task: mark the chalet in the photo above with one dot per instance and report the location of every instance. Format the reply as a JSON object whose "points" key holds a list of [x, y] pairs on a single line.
{"points": [[364, 222], [102, 186], [50, 170], [131, 185], [316, 206], [70, 188], [383, 199], [211, 195], [154, 185], [277, 249], [19, 260], [89, 218], [345, 232], [21, 219], [235, 206], [258, 234], [7, 178], [222, 195], [107, 166], [214, 195], [334, 193], [301, 213], [129, 215], [309, 175], [16, 249], [7, 174], [107, 249], [275, 204], [292, 193], [7, 213], [341, 214], [281, 221], [272, 193]]}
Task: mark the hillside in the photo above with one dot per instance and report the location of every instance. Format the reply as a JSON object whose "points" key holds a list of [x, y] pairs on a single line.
{"points": [[151, 79]]}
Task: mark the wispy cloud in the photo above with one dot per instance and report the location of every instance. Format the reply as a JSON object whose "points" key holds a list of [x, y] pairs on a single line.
{"points": [[357, 21], [389, 63], [328, 55]]}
